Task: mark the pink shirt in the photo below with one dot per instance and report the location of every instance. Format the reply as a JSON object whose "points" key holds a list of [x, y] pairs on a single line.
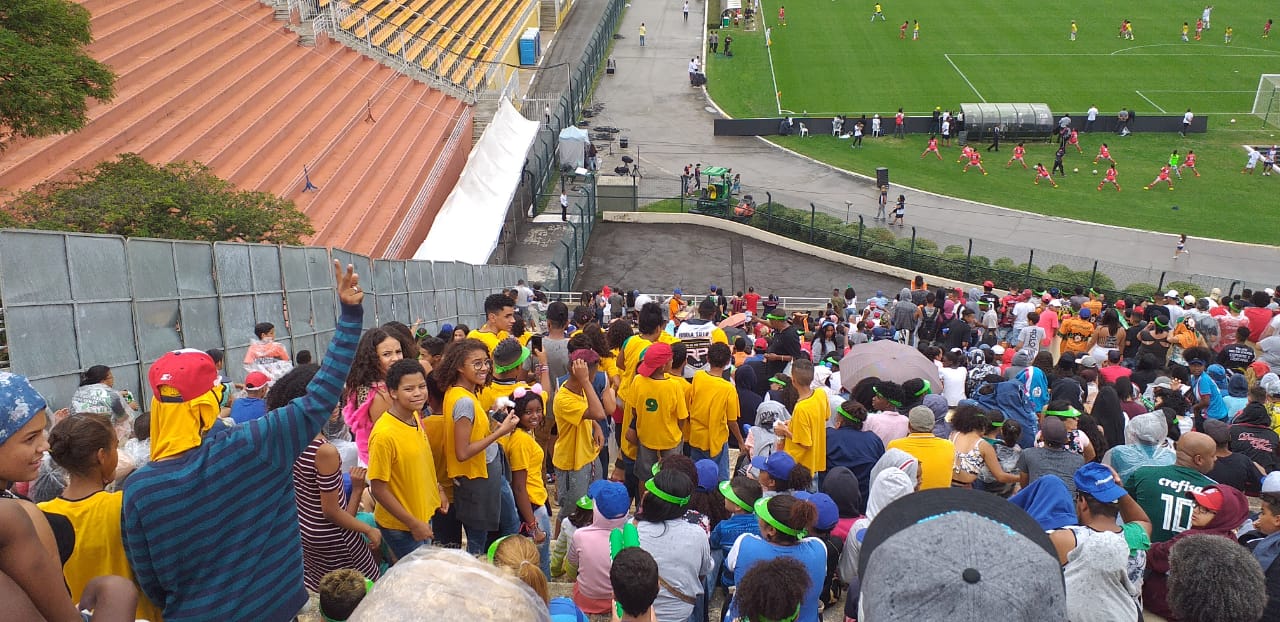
{"points": [[1049, 322], [889, 426], [589, 552]]}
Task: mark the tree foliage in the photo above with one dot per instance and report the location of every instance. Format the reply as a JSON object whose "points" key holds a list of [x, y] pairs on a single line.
{"points": [[132, 197], [46, 77]]}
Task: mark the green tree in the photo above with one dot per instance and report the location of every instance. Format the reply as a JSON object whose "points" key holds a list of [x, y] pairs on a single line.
{"points": [[183, 200], [46, 77]]}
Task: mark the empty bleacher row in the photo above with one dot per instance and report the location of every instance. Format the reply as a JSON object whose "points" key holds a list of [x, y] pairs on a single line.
{"points": [[456, 40]]}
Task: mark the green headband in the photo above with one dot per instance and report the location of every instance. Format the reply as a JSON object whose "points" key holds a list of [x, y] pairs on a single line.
{"points": [[585, 503], [727, 490], [997, 424], [502, 369], [925, 389], [1234, 304], [1069, 413], [657, 466], [664, 495], [762, 510], [774, 316], [876, 390], [790, 618], [493, 548], [1158, 322], [843, 413], [368, 587], [777, 380]]}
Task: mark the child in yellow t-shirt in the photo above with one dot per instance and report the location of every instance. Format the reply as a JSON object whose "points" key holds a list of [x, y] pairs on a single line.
{"points": [[402, 473], [85, 445], [659, 406], [805, 436], [713, 412], [527, 484], [578, 411]]}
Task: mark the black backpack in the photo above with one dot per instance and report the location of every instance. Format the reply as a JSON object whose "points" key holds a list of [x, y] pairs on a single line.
{"points": [[928, 323]]}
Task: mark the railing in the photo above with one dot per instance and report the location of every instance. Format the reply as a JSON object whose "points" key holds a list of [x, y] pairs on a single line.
{"points": [[477, 78], [789, 303], [973, 260], [428, 189]]}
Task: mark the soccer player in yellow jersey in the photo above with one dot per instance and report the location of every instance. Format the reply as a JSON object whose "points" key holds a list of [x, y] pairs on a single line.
{"points": [[1074, 30], [500, 315], [713, 411], [805, 436], [658, 406]]}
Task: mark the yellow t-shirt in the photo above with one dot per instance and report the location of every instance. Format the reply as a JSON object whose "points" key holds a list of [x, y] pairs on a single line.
{"points": [[475, 467], [631, 350], [434, 428], [400, 455], [525, 338], [713, 403], [808, 442], [526, 455], [574, 447], [668, 338], [937, 457], [490, 339], [661, 406], [99, 548], [491, 392]]}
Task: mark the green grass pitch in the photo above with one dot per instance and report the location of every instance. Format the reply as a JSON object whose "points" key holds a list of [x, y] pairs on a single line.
{"points": [[830, 58]]}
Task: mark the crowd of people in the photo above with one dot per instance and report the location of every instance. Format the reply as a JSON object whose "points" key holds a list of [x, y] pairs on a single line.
{"points": [[667, 454]]}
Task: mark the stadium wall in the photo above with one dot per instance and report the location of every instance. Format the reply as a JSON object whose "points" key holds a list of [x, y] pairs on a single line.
{"points": [[76, 300]]}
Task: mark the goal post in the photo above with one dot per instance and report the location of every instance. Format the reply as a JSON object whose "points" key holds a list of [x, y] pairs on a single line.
{"points": [[1266, 104]]}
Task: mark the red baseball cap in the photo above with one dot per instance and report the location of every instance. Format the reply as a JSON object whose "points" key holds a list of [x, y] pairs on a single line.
{"points": [[988, 284], [256, 380], [1210, 498], [761, 344], [182, 375], [654, 357], [1120, 304]]}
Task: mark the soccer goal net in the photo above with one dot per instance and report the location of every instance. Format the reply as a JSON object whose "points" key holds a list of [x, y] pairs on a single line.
{"points": [[1266, 104]]}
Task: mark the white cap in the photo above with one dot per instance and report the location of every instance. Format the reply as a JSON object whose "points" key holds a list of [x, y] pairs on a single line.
{"points": [[1173, 293], [1270, 292], [999, 350], [1189, 299], [1055, 303], [1271, 483]]}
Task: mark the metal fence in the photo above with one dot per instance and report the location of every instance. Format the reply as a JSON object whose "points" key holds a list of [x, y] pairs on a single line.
{"points": [[573, 244], [973, 260], [71, 301]]}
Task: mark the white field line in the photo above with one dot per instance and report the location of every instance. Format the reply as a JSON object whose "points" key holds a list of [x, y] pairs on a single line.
{"points": [[1162, 110], [964, 77]]}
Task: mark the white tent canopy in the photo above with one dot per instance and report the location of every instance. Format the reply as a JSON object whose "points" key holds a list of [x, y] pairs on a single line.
{"points": [[470, 221], [572, 147]]}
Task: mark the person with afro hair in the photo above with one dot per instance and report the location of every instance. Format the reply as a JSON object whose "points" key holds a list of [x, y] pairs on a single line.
{"points": [[1212, 579], [772, 590]]}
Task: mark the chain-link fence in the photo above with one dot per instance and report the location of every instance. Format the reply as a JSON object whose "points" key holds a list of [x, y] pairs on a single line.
{"points": [[72, 301], [572, 246], [969, 259]]}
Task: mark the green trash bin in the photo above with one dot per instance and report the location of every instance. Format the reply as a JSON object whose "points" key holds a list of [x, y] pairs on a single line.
{"points": [[724, 22]]}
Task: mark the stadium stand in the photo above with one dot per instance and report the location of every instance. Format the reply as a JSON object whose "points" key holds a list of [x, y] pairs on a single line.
{"points": [[455, 41], [218, 82]]}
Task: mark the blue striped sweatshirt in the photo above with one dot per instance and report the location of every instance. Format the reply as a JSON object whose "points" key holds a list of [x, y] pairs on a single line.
{"points": [[212, 534]]}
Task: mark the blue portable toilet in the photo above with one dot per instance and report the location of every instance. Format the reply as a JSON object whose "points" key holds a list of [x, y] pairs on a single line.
{"points": [[530, 47]]}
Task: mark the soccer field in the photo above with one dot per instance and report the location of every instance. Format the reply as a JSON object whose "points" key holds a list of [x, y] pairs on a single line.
{"points": [[830, 58]]}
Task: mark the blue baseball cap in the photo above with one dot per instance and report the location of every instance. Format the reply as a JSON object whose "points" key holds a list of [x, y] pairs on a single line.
{"points": [[828, 513], [778, 464], [677, 291], [610, 498], [1098, 482], [708, 474]]}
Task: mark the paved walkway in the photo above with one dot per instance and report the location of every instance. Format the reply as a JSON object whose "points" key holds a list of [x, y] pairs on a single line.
{"points": [[668, 124]]}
